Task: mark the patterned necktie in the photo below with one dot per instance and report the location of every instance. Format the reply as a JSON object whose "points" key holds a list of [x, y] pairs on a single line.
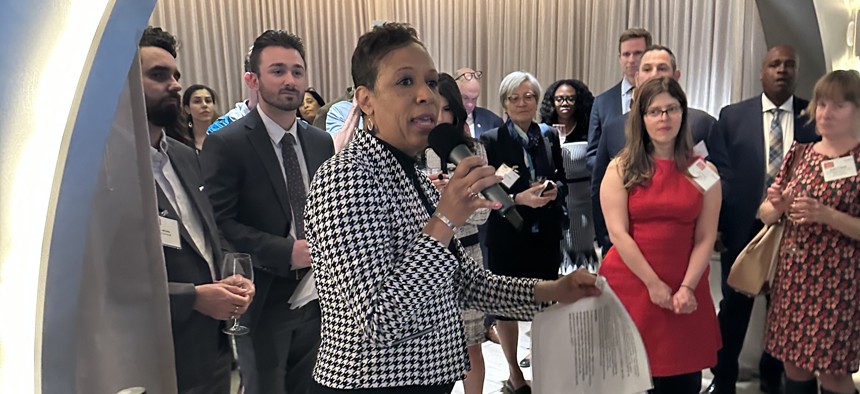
{"points": [[774, 154], [295, 185]]}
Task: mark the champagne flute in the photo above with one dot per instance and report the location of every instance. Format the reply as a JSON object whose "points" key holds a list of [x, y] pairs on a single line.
{"points": [[236, 266]]}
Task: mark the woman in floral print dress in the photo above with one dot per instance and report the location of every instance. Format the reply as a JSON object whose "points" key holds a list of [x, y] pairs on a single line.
{"points": [[814, 318]]}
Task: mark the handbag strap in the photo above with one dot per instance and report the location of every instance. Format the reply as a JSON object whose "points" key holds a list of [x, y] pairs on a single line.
{"points": [[795, 160]]}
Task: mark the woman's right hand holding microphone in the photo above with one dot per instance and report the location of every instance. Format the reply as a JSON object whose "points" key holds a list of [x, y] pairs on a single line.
{"points": [[461, 197]]}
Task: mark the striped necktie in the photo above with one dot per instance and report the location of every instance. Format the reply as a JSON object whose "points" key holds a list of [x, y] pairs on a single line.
{"points": [[774, 153]]}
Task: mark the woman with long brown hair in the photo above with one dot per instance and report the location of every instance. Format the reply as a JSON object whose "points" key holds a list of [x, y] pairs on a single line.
{"points": [[663, 225]]}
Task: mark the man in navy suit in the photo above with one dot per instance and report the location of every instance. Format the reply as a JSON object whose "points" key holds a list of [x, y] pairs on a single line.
{"points": [[192, 253], [616, 101], [747, 145], [479, 119], [657, 61]]}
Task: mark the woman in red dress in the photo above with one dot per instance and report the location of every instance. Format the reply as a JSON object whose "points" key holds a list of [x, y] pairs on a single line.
{"points": [[663, 228], [813, 324]]}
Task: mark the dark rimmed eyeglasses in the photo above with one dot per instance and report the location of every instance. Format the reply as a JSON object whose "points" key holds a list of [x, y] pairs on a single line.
{"points": [[672, 111], [562, 99], [470, 75]]}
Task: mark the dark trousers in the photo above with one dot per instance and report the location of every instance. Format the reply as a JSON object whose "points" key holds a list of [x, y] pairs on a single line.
{"points": [[278, 356], [441, 389], [734, 318], [689, 383], [220, 381]]}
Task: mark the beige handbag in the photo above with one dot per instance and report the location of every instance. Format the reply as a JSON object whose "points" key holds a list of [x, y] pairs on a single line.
{"points": [[756, 264], [755, 267]]}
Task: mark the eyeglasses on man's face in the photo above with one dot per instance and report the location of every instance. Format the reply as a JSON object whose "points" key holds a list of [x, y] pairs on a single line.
{"points": [[672, 111], [470, 75], [563, 99], [526, 98]]}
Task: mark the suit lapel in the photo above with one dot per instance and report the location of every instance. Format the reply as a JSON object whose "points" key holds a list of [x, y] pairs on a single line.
{"points": [[262, 144], [615, 101], [757, 123], [477, 122], [514, 152], [166, 209], [184, 171], [803, 132]]}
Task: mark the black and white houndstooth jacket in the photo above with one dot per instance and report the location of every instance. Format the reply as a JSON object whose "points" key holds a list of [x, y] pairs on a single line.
{"points": [[391, 295]]}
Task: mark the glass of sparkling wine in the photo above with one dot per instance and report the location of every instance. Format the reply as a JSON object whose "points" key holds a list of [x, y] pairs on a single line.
{"points": [[235, 267]]}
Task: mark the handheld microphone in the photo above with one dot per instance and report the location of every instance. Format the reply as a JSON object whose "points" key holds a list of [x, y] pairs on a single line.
{"points": [[449, 142]]}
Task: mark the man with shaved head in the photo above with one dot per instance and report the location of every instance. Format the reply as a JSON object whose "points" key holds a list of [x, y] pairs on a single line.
{"points": [[758, 132], [479, 119]]}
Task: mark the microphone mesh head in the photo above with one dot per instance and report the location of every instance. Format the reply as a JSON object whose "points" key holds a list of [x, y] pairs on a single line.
{"points": [[444, 138]]}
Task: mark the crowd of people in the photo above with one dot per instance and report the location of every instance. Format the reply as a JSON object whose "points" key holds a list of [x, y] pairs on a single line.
{"points": [[414, 269]]}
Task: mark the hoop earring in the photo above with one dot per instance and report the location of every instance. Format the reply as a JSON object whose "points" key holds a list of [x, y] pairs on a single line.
{"points": [[368, 123]]}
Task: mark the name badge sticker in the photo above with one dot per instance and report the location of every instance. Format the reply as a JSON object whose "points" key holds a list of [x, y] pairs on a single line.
{"points": [[836, 169], [701, 149], [170, 233], [508, 174], [703, 176]]}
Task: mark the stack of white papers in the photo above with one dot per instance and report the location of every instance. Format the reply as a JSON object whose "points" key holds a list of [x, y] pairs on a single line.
{"points": [[591, 346]]}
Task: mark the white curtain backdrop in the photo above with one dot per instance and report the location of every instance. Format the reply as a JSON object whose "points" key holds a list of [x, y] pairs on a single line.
{"points": [[719, 43]]}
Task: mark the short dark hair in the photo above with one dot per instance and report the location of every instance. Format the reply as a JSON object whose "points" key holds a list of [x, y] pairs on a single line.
{"points": [[246, 64], [633, 33], [658, 47], [156, 37], [317, 97], [270, 38], [374, 45]]}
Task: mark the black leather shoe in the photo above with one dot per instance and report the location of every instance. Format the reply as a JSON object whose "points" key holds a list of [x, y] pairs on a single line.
{"points": [[715, 388], [526, 362]]}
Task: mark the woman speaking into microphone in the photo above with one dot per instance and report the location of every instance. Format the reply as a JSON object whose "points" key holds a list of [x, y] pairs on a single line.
{"points": [[391, 281]]}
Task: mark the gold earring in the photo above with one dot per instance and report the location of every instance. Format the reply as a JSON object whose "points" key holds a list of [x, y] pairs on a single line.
{"points": [[368, 123]]}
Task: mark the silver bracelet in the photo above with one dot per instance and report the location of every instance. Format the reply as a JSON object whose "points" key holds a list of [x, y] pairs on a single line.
{"points": [[445, 220]]}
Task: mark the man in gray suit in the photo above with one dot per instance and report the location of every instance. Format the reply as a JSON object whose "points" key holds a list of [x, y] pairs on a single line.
{"points": [[258, 170], [616, 101], [192, 250]]}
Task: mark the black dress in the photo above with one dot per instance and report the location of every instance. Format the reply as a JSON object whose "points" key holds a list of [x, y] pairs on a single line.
{"points": [[532, 251]]}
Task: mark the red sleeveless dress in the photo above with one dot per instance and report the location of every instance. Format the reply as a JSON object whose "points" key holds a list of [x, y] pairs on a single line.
{"points": [[662, 219]]}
